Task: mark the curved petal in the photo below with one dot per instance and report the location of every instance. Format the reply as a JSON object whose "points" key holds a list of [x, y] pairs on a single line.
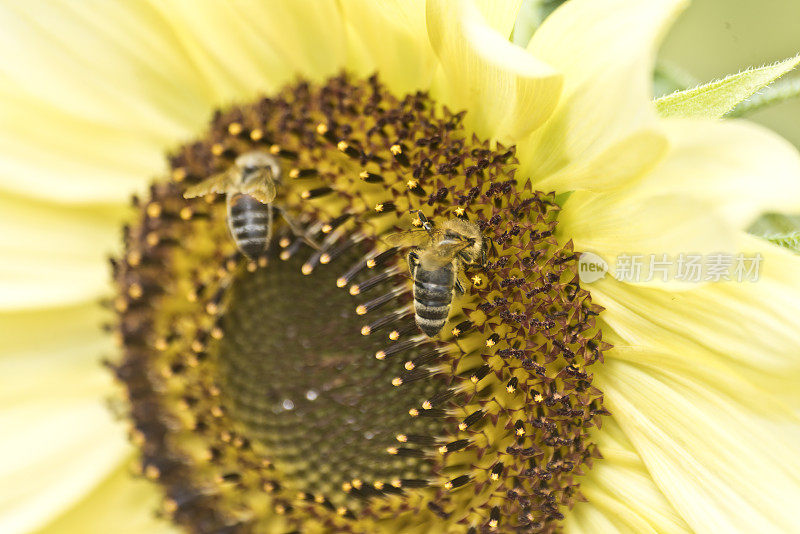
{"points": [[390, 37], [724, 466], [508, 92], [752, 325], [622, 496], [99, 90], [621, 165], [605, 49], [58, 437], [120, 504], [626, 231], [743, 168], [53, 255]]}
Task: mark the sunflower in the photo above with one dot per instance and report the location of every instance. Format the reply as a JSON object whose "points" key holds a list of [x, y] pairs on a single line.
{"points": [[295, 392]]}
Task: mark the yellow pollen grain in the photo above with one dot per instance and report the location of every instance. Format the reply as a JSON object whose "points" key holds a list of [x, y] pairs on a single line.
{"points": [[448, 485], [252, 266], [346, 487], [379, 207], [322, 128], [363, 175], [342, 145], [120, 304], [186, 213], [456, 332], [417, 222], [170, 506], [319, 499], [354, 290], [411, 184], [402, 438], [153, 210], [395, 149], [294, 173], [427, 405], [217, 149], [262, 261], [490, 343], [365, 330], [285, 255], [510, 389], [191, 360], [396, 482], [361, 309], [307, 268], [152, 472], [256, 134], [520, 432], [212, 308], [409, 366], [269, 487], [179, 174], [494, 476], [380, 355], [397, 381], [462, 426], [213, 390], [356, 483], [284, 242], [326, 228], [378, 485], [217, 333], [371, 263], [443, 449], [135, 291], [305, 194], [274, 150], [394, 335], [325, 258], [493, 523], [413, 412], [134, 258], [216, 411], [234, 128], [459, 211], [152, 239], [341, 510], [197, 346], [280, 509], [477, 280]]}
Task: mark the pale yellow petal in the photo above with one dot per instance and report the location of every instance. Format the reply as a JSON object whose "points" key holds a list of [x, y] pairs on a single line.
{"points": [[723, 466], [389, 37], [622, 496], [507, 91], [622, 165], [500, 14], [744, 169], [753, 325], [605, 49], [120, 504], [93, 93], [615, 225], [51, 255], [58, 439]]}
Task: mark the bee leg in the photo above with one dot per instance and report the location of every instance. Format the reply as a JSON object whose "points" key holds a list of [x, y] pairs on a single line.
{"points": [[459, 287], [413, 260], [296, 230]]}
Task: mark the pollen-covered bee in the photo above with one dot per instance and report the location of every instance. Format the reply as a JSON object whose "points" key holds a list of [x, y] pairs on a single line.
{"points": [[435, 262], [250, 186]]}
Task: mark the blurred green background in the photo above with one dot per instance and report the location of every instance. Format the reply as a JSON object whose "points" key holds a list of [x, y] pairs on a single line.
{"points": [[715, 38]]}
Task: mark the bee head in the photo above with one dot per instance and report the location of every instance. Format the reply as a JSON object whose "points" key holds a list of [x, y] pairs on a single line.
{"points": [[256, 160]]}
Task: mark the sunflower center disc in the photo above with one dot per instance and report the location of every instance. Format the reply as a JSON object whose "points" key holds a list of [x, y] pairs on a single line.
{"points": [[307, 385]]}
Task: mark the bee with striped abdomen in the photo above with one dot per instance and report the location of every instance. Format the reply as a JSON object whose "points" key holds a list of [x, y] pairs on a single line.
{"points": [[250, 186], [435, 262]]}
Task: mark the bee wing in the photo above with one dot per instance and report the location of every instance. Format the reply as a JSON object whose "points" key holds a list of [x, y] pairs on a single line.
{"points": [[218, 183], [417, 237], [442, 254], [261, 187]]}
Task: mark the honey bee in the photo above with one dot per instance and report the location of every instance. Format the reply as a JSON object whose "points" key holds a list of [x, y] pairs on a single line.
{"points": [[250, 186], [436, 261]]}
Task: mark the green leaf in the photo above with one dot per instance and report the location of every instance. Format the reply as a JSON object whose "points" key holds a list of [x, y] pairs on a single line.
{"points": [[775, 94], [715, 99], [783, 230]]}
